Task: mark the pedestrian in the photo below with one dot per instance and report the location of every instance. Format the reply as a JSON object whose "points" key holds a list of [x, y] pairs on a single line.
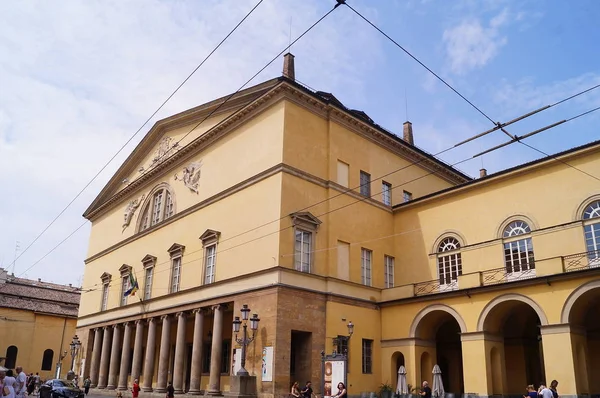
{"points": [[135, 390], [21, 386], [86, 385], [170, 390]]}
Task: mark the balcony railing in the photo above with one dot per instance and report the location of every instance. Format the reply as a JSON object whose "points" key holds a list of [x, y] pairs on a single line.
{"points": [[581, 261], [432, 287], [503, 275]]}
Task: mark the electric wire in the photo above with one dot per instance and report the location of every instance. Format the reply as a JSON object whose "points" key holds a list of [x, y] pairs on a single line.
{"points": [[362, 199], [136, 133]]}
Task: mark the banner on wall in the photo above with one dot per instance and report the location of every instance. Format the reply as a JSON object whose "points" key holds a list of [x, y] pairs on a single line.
{"points": [[237, 360], [267, 364], [81, 367], [334, 373]]}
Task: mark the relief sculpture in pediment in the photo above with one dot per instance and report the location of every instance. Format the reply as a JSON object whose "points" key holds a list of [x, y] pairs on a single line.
{"points": [[190, 176], [165, 149], [130, 211]]}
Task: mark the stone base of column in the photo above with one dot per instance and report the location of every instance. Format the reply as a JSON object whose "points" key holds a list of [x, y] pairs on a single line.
{"points": [[93, 385], [209, 393], [109, 387], [242, 387], [194, 392], [122, 388], [161, 389], [147, 389], [101, 387]]}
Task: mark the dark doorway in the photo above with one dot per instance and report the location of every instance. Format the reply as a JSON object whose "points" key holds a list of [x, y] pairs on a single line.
{"points": [[300, 357], [188, 367], [449, 356]]}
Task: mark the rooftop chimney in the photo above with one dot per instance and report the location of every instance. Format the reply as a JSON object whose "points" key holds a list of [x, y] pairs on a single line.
{"points": [[408, 133], [39, 279], [482, 173], [3, 275], [288, 66]]}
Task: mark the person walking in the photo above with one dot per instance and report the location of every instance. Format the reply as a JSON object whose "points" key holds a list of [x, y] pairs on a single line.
{"points": [[135, 389], [170, 390], [86, 385], [21, 386]]}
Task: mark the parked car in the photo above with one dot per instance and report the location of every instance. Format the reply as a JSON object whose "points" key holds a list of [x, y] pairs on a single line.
{"points": [[60, 388]]}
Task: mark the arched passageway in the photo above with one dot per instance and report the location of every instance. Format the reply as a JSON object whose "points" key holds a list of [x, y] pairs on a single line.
{"points": [[515, 348], [584, 322], [439, 331]]}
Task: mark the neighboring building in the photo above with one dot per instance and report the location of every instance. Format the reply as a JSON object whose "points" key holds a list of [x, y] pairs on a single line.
{"points": [[37, 323], [493, 279]]}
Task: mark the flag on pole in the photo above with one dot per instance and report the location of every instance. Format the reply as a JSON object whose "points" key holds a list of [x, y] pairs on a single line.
{"points": [[133, 285]]}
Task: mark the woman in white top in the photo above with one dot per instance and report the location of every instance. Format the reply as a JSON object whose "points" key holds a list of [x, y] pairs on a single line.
{"points": [[9, 387]]}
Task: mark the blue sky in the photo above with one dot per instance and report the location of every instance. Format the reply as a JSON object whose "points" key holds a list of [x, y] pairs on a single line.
{"points": [[77, 80]]}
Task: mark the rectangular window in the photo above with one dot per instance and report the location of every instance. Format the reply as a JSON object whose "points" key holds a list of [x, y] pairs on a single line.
{"points": [[367, 356], [169, 206], [341, 344], [148, 283], [124, 287], [365, 266], [365, 184], [157, 210], [210, 258], [302, 251], [175, 274], [389, 271], [386, 193], [104, 302], [342, 173], [407, 196], [518, 255]]}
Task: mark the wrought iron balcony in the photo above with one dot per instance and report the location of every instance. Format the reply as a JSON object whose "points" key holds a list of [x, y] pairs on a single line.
{"points": [[581, 261], [503, 275], [434, 286]]}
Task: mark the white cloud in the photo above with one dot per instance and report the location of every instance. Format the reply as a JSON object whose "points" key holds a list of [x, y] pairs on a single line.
{"points": [[79, 79], [471, 45]]}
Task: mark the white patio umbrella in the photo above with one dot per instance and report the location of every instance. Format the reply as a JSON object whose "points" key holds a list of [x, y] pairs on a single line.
{"points": [[3, 369], [438, 385], [402, 387]]}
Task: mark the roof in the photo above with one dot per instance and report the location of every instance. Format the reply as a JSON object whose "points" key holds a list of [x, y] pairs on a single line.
{"points": [[38, 296], [505, 172]]}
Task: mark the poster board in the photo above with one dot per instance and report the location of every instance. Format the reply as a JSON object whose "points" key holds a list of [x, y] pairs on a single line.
{"points": [[267, 364], [334, 372], [237, 360]]}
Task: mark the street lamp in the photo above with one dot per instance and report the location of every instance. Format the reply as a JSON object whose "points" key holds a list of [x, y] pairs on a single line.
{"points": [[245, 340], [75, 345]]}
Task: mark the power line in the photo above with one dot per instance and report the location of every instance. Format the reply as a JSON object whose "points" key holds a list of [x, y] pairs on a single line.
{"points": [[323, 214], [220, 105], [136, 133]]}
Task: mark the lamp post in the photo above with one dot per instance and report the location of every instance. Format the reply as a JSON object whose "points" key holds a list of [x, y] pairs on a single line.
{"points": [[245, 340], [75, 345], [327, 377], [59, 364]]}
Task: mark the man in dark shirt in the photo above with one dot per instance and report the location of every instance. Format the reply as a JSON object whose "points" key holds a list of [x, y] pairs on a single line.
{"points": [[171, 390], [426, 391], [307, 391]]}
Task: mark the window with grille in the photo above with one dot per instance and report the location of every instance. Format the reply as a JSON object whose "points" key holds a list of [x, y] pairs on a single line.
{"points": [[210, 258], [386, 193], [175, 274], [365, 267], [149, 276], [449, 261], [159, 208], [124, 288], [591, 229], [365, 184], [104, 301], [302, 250], [518, 247], [367, 356], [388, 271]]}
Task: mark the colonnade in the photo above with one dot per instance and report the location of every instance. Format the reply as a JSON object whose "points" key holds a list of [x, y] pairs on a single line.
{"points": [[112, 346]]}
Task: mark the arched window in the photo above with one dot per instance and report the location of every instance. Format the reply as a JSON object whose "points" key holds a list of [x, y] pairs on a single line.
{"points": [[47, 359], [591, 229], [159, 206], [449, 262], [518, 249], [11, 357]]}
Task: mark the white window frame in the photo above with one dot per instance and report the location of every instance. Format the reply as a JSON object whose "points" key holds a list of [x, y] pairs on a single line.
{"points": [[365, 184], [449, 263], [302, 257], [148, 280], [591, 232], [516, 237], [210, 263], [159, 207], [386, 193], [124, 287], [389, 264], [175, 281], [366, 266]]}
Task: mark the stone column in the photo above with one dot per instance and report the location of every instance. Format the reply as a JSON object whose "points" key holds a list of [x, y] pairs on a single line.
{"points": [[125, 358], [95, 365], [559, 361], [196, 371], [104, 357], [214, 382], [150, 353], [138, 346], [113, 371], [179, 354], [163, 356]]}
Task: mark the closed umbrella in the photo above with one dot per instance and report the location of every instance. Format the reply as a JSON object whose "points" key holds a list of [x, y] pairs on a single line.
{"points": [[438, 384], [402, 387]]}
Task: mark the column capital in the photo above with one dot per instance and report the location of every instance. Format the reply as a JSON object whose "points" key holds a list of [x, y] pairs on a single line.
{"points": [[180, 314], [149, 320], [200, 310], [561, 328], [107, 327], [116, 326], [165, 317], [215, 307], [138, 321], [125, 324]]}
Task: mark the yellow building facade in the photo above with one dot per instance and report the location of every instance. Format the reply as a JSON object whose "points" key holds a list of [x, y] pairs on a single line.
{"points": [[285, 200], [37, 324]]}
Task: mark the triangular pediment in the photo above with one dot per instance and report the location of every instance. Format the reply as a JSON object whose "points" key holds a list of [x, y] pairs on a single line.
{"points": [[106, 277], [210, 234], [166, 137], [149, 260], [125, 269], [175, 249], [305, 218]]}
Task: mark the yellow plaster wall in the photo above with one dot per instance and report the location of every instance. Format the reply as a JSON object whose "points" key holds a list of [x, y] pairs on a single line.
{"points": [[235, 256], [34, 333], [477, 215], [252, 148]]}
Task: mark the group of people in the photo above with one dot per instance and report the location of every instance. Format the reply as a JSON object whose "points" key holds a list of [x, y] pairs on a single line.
{"points": [[307, 391], [543, 391], [14, 384]]}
